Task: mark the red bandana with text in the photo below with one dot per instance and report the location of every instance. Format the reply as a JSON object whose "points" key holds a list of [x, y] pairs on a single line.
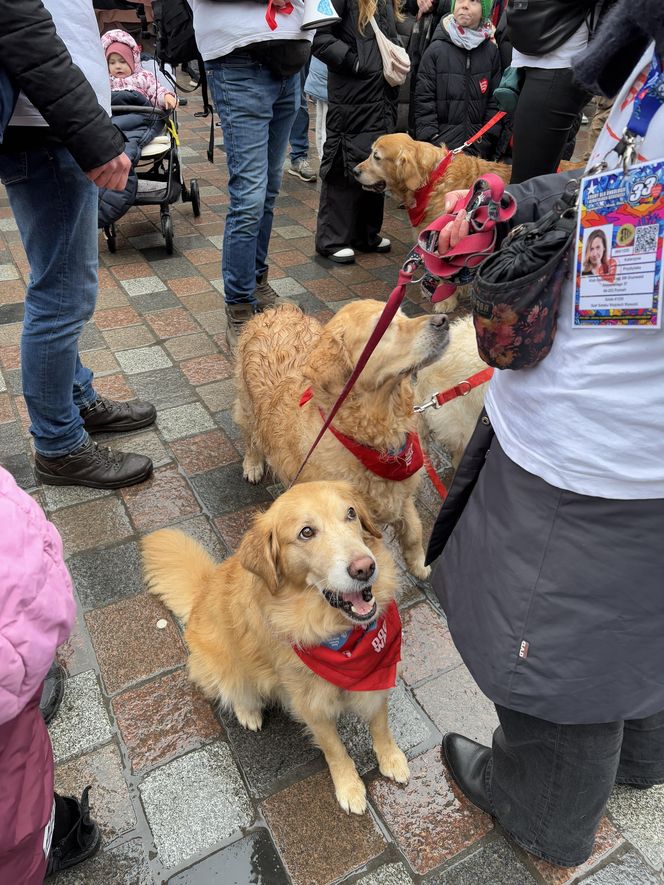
{"points": [[396, 466], [366, 661]]}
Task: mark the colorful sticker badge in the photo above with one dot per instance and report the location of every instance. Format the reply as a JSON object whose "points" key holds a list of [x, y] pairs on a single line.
{"points": [[619, 248]]}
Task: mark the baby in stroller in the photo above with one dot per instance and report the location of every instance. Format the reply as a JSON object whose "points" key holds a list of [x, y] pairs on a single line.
{"points": [[127, 72]]}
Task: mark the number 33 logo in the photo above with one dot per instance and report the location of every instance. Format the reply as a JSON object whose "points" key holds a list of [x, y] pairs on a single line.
{"points": [[642, 189]]}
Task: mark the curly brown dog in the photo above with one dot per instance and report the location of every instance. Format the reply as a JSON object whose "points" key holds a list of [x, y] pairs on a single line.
{"points": [[282, 352], [308, 570]]}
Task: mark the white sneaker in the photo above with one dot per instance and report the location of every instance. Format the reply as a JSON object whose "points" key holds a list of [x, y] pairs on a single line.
{"points": [[384, 246], [343, 256]]}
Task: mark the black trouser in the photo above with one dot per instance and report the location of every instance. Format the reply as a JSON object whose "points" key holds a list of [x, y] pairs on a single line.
{"points": [[347, 214], [549, 784], [549, 104]]}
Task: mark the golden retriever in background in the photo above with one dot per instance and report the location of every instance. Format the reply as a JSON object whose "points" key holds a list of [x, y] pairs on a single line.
{"points": [[401, 165], [453, 423], [309, 569], [282, 352]]}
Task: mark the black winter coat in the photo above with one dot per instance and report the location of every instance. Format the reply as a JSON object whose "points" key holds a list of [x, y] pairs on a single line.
{"points": [[454, 92], [39, 63], [361, 104]]}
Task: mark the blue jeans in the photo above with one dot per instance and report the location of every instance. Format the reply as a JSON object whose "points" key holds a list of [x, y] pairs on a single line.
{"points": [[299, 136], [256, 111], [55, 207]]}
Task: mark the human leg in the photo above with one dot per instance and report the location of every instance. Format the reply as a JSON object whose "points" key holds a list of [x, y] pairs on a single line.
{"points": [[642, 752], [552, 100], [299, 133], [340, 203]]}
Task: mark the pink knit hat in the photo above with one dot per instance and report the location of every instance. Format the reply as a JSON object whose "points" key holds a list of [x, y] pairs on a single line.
{"points": [[123, 50]]}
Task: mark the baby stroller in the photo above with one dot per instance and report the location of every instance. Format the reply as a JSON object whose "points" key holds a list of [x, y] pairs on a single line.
{"points": [[159, 176]]}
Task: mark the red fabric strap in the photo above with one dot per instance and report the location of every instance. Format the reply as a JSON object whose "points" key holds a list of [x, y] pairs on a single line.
{"points": [[463, 388], [396, 466], [367, 661], [270, 15], [435, 479]]}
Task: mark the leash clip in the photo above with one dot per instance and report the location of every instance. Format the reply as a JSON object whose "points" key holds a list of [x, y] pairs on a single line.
{"points": [[429, 404], [412, 264]]}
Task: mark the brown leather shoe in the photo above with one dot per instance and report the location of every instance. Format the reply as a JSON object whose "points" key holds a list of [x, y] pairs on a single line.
{"points": [[93, 466], [107, 416], [236, 316], [266, 296]]}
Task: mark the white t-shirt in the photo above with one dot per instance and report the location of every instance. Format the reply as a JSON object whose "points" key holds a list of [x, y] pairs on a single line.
{"points": [[76, 25], [559, 58], [222, 27], [590, 417]]}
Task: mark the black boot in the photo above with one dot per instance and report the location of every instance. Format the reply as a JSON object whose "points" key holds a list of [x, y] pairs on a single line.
{"points": [[107, 416], [52, 692], [75, 834], [466, 761], [93, 466]]}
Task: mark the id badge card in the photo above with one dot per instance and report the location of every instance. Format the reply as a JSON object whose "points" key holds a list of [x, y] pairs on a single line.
{"points": [[619, 248]]}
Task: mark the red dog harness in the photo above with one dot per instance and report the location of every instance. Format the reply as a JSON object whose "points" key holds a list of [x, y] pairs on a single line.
{"points": [[388, 465], [362, 658]]}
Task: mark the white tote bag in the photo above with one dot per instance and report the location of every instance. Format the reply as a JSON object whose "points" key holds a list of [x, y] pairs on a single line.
{"points": [[396, 63]]}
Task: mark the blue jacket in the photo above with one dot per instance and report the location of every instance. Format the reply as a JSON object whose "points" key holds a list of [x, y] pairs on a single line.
{"points": [[316, 82]]}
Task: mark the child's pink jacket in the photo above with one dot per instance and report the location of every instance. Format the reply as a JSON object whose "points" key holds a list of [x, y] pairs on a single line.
{"points": [[141, 80]]}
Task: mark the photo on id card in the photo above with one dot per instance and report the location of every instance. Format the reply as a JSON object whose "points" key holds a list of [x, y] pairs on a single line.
{"points": [[619, 248]]}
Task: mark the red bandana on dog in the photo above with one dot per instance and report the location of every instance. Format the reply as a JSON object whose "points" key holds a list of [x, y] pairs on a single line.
{"points": [[366, 659], [396, 466], [417, 212]]}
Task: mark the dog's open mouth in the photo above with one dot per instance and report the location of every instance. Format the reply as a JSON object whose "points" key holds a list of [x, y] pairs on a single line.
{"points": [[377, 188], [358, 606]]}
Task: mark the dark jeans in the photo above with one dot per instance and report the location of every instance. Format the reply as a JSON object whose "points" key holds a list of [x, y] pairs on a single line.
{"points": [[549, 784], [549, 104]]}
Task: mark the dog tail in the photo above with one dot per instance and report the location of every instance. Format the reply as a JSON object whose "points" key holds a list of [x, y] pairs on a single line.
{"points": [[175, 568]]}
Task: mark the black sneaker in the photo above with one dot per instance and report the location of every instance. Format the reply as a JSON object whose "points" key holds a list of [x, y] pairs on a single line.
{"points": [[93, 466], [236, 316], [52, 692], [107, 416], [80, 841]]}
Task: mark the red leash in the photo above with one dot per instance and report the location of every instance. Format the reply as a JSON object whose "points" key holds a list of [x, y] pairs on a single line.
{"points": [[435, 479], [416, 213], [463, 388]]}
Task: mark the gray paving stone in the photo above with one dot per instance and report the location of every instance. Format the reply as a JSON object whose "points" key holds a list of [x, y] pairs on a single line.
{"points": [[455, 703], [145, 241], [390, 874], [225, 489], [13, 379], [143, 359], [213, 807], [147, 444], [287, 286], [9, 272], [639, 815], [225, 420], [164, 388], [106, 575], [81, 722], [292, 231], [8, 224], [629, 869], [12, 441], [217, 241], [123, 865], [200, 529], [170, 268], [3, 383], [250, 861], [21, 468], [213, 321], [154, 301], [12, 313], [57, 497], [184, 421], [219, 395], [142, 285], [91, 339], [493, 863]]}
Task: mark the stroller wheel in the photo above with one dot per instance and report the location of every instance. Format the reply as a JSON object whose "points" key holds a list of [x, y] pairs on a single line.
{"points": [[167, 231], [195, 197], [111, 239]]}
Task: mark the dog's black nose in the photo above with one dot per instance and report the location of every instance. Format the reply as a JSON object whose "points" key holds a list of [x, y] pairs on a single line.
{"points": [[362, 568], [356, 171], [440, 321]]}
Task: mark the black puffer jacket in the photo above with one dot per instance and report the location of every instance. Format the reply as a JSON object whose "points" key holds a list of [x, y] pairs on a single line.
{"points": [[362, 106], [454, 92], [39, 63]]}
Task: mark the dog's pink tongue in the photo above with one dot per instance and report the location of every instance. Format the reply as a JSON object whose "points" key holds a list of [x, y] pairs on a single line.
{"points": [[359, 605]]}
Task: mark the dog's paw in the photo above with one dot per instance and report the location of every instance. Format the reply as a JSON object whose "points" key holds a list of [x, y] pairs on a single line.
{"points": [[395, 766], [419, 570], [352, 795], [252, 471], [249, 719]]}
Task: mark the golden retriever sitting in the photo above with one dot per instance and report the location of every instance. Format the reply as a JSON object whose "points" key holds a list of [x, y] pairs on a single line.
{"points": [[282, 353], [453, 424], [310, 570]]}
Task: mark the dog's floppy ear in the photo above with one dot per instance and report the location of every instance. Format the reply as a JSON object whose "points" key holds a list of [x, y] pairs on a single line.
{"points": [[366, 520], [409, 171], [259, 552], [330, 364]]}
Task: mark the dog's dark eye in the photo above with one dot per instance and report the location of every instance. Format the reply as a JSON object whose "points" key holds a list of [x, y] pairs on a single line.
{"points": [[351, 513], [306, 533], [376, 157]]}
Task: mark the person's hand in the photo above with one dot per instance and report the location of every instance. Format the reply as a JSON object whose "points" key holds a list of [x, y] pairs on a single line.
{"points": [[423, 6], [112, 175], [456, 230], [170, 101]]}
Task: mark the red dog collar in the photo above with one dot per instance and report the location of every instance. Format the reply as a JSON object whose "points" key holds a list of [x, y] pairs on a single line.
{"points": [[417, 212], [366, 660]]}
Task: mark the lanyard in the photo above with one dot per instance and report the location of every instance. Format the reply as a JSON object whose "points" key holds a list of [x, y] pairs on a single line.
{"points": [[648, 101]]}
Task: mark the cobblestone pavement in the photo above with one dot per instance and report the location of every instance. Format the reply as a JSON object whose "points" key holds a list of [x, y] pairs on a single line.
{"points": [[182, 794]]}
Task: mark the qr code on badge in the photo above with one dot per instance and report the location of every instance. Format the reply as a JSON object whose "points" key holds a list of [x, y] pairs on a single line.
{"points": [[645, 239]]}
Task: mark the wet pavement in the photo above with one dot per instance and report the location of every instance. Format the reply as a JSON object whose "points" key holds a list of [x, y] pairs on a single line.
{"points": [[182, 794]]}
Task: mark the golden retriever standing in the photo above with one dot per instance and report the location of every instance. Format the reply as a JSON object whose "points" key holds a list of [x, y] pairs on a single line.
{"points": [[453, 423], [310, 569], [282, 352]]}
